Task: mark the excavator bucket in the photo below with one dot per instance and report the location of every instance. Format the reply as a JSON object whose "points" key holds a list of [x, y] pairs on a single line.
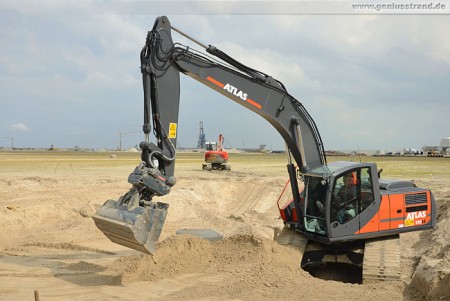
{"points": [[138, 228]]}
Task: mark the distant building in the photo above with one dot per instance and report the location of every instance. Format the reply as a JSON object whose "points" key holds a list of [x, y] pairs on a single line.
{"points": [[445, 145], [201, 144], [263, 148]]}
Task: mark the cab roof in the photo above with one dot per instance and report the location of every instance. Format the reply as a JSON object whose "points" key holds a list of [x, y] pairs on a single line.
{"points": [[334, 168]]}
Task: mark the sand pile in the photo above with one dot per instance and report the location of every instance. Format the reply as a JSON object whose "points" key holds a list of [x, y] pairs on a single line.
{"points": [[239, 256], [50, 243], [432, 275], [236, 265]]}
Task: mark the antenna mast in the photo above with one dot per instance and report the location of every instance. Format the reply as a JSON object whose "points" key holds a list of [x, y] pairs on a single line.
{"points": [[201, 137]]}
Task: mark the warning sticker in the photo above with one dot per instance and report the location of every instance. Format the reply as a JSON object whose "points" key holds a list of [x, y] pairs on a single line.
{"points": [[409, 222], [172, 130]]}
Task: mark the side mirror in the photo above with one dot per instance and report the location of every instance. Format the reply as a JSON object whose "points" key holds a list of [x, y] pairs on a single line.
{"points": [[379, 172]]}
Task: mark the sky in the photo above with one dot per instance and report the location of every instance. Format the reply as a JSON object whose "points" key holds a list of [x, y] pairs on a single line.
{"points": [[69, 73]]}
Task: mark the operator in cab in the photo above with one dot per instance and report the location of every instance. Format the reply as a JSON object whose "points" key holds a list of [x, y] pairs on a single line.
{"points": [[345, 198]]}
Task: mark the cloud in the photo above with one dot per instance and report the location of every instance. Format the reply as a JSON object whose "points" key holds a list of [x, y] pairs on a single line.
{"points": [[273, 63], [79, 62], [20, 127]]}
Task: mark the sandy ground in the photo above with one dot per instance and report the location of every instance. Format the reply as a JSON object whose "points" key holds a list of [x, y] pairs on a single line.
{"points": [[49, 242]]}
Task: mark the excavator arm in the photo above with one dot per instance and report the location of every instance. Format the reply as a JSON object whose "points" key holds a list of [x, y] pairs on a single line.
{"points": [[162, 61], [136, 220]]}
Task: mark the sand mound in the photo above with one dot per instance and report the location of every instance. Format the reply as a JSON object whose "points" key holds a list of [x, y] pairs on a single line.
{"points": [[239, 256], [432, 275], [50, 243], [237, 265]]}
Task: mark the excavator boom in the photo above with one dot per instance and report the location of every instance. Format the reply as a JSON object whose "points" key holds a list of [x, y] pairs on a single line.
{"points": [[162, 61]]}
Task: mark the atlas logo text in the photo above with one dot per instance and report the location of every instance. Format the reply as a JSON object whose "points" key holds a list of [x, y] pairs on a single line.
{"points": [[417, 214], [235, 91]]}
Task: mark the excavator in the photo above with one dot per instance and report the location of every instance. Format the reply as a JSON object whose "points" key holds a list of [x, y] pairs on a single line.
{"points": [[216, 157], [340, 212]]}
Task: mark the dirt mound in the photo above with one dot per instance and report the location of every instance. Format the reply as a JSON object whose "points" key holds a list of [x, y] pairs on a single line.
{"points": [[238, 255], [237, 265], [432, 275], [242, 267], [50, 243]]}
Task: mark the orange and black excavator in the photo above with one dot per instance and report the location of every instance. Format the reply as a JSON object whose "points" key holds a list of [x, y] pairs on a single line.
{"points": [[216, 158], [344, 210]]}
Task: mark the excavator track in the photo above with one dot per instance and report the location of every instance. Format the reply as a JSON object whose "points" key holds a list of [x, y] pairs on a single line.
{"points": [[382, 260], [381, 255]]}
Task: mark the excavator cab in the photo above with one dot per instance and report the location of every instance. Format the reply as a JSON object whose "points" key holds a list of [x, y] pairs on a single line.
{"points": [[351, 216], [336, 198], [345, 201]]}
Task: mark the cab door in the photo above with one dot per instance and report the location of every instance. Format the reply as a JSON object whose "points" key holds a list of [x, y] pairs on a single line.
{"points": [[314, 205], [352, 197]]}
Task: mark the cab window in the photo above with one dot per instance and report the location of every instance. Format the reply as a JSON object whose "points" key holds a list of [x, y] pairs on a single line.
{"points": [[315, 197], [366, 188], [352, 193]]}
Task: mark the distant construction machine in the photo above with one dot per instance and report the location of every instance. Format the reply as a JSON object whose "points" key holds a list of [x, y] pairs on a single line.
{"points": [[215, 157]]}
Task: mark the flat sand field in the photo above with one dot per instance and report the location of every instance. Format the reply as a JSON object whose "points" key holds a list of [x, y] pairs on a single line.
{"points": [[49, 244]]}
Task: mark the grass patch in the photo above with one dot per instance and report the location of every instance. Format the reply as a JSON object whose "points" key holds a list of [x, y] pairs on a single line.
{"points": [[410, 168]]}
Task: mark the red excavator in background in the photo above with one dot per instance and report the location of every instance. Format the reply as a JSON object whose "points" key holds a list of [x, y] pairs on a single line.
{"points": [[215, 157]]}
